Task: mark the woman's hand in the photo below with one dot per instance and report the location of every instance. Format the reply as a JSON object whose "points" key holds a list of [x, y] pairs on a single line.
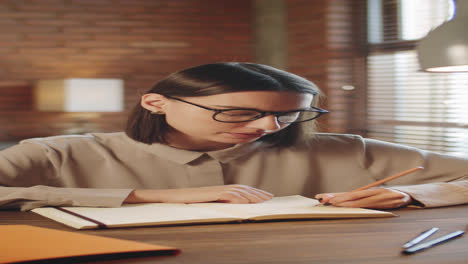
{"points": [[234, 193], [376, 198]]}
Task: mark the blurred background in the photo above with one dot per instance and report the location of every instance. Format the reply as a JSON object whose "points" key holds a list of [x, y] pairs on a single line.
{"points": [[362, 54]]}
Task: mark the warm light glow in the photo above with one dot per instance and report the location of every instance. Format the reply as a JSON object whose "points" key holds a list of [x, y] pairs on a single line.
{"points": [[445, 49], [80, 95], [461, 68]]}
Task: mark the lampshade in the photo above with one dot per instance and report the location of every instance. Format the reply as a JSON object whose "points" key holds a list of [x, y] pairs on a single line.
{"points": [[79, 95], [445, 49]]}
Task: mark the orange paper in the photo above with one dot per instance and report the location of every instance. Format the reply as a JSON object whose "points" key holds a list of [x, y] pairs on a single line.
{"points": [[28, 243]]}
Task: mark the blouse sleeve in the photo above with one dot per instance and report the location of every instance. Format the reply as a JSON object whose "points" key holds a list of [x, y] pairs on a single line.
{"points": [[443, 182], [29, 179]]}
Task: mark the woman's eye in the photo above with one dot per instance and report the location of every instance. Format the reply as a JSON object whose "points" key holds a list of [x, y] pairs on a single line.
{"points": [[293, 115], [239, 113]]}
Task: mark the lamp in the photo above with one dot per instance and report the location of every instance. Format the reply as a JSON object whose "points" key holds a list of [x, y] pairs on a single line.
{"points": [[79, 95], [445, 49]]}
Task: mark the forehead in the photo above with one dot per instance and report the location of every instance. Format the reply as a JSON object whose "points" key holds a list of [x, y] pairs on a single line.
{"points": [[265, 100]]}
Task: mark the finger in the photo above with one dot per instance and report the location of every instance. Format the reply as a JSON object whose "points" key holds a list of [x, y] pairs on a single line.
{"points": [[324, 198], [356, 199], [405, 198], [265, 194], [379, 198], [372, 204], [239, 194], [256, 190], [260, 195], [352, 196], [233, 197], [254, 195]]}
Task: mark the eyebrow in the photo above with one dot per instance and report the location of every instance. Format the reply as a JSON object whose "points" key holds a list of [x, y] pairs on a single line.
{"points": [[249, 108]]}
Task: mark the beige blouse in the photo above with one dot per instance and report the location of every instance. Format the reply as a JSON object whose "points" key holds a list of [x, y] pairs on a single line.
{"points": [[102, 169]]}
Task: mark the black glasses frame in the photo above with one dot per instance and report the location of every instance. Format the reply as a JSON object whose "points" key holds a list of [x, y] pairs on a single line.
{"points": [[277, 114]]}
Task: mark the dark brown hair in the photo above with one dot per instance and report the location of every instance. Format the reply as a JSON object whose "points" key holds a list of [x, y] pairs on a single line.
{"points": [[218, 78]]}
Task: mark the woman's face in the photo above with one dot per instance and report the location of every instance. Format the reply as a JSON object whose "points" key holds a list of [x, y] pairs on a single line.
{"points": [[192, 127]]}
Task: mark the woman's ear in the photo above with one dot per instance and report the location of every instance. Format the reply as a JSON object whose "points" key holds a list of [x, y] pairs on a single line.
{"points": [[153, 102]]}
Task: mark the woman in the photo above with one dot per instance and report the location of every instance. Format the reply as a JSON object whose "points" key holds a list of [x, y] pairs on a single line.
{"points": [[226, 132]]}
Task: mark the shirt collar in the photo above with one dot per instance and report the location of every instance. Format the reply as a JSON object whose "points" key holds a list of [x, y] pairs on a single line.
{"points": [[232, 153], [183, 156]]}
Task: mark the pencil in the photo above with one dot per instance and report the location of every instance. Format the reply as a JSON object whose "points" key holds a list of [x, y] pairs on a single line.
{"points": [[377, 183]]}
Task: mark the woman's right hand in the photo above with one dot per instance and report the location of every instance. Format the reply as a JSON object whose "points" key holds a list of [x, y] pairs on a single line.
{"points": [[235, 193]]}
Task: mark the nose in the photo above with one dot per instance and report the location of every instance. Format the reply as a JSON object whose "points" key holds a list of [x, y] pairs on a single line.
{"points": [[266, 123]]}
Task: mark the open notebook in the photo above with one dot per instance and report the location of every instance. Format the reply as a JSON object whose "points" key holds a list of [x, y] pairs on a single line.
{"points": [[19, 243], [278, 208]]}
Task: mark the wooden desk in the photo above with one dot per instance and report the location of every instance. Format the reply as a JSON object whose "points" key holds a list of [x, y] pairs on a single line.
{"points": [[351, 241]]}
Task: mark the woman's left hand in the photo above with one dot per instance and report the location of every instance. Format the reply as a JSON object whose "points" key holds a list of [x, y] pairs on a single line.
{"points": [[375, 198]]}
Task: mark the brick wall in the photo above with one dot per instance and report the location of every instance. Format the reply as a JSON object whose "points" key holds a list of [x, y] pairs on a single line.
{"points": [[326, 46], [139, 41]]}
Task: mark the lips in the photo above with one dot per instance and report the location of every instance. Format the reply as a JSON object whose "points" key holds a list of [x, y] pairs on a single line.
{"points": [[247, 135]]}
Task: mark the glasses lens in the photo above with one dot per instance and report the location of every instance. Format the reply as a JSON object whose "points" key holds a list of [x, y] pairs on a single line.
{"points": [[299, 116], [236, 115]]}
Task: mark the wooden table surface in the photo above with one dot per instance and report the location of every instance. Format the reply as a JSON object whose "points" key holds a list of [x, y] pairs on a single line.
{"points": [[345, 241]]}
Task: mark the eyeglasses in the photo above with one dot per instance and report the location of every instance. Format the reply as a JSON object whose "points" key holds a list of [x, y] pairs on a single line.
{"points": [[239, 115]]}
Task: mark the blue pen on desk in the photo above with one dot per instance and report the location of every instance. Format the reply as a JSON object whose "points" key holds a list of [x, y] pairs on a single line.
{"points": [[433, 242], [421, 237]]}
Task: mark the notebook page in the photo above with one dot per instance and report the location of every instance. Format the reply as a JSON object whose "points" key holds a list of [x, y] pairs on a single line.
{"points": [[149, 214], [275, 206]]}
